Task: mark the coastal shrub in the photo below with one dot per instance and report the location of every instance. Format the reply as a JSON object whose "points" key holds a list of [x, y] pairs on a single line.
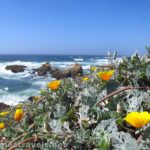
{"points": [[85, 112]]}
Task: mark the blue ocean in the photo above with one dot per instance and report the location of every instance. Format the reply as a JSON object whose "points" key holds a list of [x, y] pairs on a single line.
{"points": [[18, 87]]}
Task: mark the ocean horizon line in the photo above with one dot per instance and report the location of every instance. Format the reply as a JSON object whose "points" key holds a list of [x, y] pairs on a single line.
{"points": [[60, 54]]}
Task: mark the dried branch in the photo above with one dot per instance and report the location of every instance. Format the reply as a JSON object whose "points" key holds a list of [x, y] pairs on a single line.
{"points": [[22, 142], [119, 91], [16, 139]]}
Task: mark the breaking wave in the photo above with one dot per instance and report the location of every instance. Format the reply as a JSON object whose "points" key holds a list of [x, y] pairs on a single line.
{"points": [[18, 87]]}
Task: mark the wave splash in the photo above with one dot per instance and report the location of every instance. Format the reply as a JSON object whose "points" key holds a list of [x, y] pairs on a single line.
{"points": [[18, 87]]}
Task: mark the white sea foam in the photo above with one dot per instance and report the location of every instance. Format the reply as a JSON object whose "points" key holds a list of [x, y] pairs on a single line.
{"points": [[66, 64], [85, 64], [37, 83], [8, 74], [78, 59], [41, 82], [15, 98], [12, 99]]}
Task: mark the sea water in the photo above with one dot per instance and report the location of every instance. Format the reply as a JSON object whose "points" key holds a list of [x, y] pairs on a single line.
{"points": [[18, 87]]}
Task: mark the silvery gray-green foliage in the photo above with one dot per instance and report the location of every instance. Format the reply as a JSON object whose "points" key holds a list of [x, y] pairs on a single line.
{"points": [[59, 111], [56, 125], [146, 101], [107, 132], [136, 100], [108, 126], [146, 132], [99, 114], [148, 70], [123, 141], [83, 112], [89, 96], [133, 71], [145, 143], [83, 117], [82, 135], [100, 139], [51, 144], [101, 135]]}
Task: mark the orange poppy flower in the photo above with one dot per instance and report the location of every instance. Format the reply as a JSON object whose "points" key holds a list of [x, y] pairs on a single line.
{"points": [[54, 85], [18, 114], [105, 75], [2, 125]]}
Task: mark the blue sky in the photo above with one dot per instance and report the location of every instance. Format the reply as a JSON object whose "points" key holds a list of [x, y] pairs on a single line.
{"points": [[74, 26]]}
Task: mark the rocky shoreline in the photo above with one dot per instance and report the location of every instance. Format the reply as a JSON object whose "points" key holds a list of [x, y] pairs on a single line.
{"points": [[46, 69]]}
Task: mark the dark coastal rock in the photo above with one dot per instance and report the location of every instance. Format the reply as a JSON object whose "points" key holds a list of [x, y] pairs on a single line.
{"points": [[58, 74], [76, 70], [43, 70], [16, 68], [3, 106]]}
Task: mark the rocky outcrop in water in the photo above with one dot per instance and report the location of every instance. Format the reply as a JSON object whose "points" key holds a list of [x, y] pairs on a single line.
{"points": [[75, 70], [16, 68], [43, 70]]}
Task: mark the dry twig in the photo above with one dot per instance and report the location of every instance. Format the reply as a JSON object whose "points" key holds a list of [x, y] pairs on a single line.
{"points": [[22, 142], [119, 91]]}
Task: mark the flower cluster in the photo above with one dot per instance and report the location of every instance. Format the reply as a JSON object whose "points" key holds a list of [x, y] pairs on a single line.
{"points": [[18, 115], [88, 112]]}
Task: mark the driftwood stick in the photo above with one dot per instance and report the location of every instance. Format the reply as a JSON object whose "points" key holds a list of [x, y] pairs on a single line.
{"points": [[121, 90]]}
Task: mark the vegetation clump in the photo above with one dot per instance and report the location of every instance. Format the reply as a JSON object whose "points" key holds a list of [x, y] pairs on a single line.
{"points": [[108, 108]]}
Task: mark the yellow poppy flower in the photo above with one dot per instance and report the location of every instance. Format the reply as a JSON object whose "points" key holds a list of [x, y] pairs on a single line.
{"points": [[2, 125], [2, 114], [105, 75], [85, 78], [54, 85], [137, 119], [93, 68], [18, 114]]}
